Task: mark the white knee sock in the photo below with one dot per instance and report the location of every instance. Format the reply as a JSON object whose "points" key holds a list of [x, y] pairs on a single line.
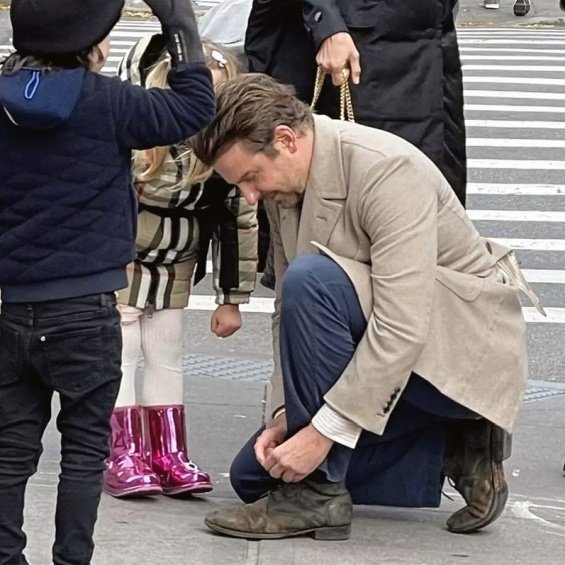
{"points": [[161, 338], [131, 335]]}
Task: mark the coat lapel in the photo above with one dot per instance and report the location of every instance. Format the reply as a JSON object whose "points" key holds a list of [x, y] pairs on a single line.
{"points": [[289, 228], [326, 190]]}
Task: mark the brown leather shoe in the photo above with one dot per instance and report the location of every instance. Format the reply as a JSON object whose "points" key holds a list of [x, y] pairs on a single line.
{"points": [[475, 452], [312, 506]]}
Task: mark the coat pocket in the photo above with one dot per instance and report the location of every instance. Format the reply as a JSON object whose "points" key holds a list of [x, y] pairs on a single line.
{"points": [[392, 18], [465, 286], [362, 14], [9, 355]]}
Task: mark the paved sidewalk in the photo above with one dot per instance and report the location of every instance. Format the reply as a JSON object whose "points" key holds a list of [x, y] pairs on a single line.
{"points": [[542, 12], [223, 413]]}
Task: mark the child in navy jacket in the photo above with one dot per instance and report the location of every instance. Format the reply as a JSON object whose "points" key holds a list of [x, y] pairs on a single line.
{"points": [[67, 231]]}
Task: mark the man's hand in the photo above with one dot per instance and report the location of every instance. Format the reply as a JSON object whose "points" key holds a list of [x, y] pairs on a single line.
{"points": [[271, 437], [299, 456], [336, 53], [226, 320]]}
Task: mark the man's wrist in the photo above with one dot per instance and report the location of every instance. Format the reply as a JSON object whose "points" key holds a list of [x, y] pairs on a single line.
{"points": [[336, 427], [279, 412], [279, 417], [323, 23]]}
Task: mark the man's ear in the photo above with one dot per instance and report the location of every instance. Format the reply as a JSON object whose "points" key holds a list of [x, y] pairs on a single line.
{"points": [[286, 137]]}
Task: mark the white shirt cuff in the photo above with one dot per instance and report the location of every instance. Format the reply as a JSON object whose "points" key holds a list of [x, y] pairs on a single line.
{"points": [[336, 427], [278, 412]]}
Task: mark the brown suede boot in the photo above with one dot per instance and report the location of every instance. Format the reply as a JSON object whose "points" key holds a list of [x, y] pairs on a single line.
{"points": [[475, 452], [313, 506]]}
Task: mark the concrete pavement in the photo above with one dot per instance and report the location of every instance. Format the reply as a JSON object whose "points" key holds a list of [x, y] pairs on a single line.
{"points": [[542, 12], [223, 413]]}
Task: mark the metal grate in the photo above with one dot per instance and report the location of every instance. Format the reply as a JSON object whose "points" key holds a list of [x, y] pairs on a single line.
{"points": [[232, 368], [237, 368], [540, 390]]}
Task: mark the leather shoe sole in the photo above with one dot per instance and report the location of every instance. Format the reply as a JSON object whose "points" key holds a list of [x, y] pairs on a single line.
{"points": [[326, 533]]}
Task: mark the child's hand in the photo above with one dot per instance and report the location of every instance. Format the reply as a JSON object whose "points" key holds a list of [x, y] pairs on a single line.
{"points": [[179, 25], [226, 320]]}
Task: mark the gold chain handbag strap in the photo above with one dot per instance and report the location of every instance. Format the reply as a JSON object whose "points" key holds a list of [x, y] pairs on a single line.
{"points": [[345, 100]]}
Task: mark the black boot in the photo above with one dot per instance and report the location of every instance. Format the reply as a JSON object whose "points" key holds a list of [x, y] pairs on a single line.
{"points": [[474, 456]]}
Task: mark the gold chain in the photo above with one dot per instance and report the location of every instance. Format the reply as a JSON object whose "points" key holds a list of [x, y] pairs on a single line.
{"points": [[345, 100]]}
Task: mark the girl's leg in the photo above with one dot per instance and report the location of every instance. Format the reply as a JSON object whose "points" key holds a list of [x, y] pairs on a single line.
{"points": [[127, 472], [162, 342], [131, 352]]}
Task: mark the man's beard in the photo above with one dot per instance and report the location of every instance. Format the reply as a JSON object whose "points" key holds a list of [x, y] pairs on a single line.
{"points": [[287, 199]]}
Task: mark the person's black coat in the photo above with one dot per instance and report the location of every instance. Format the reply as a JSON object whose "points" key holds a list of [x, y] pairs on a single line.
{"points": [[411, 82]]}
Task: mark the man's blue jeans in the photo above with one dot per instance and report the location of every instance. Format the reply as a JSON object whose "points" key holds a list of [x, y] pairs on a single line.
{"points": [[72, 347], [321, 325]]}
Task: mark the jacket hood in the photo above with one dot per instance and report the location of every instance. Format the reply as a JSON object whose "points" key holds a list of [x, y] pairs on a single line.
{"points": [[40, 100]]}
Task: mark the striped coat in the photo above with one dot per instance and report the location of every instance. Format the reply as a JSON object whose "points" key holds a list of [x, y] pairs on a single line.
{"points": [[178, 224]]}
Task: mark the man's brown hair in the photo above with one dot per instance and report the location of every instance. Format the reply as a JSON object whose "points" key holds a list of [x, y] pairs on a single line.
{"points": [[249, 108]]}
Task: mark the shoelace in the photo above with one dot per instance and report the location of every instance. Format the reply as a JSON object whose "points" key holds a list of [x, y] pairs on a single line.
{"points": [[451, 483]]}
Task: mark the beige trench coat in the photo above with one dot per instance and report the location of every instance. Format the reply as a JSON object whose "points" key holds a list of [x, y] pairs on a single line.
{"points": [[436, 302]]}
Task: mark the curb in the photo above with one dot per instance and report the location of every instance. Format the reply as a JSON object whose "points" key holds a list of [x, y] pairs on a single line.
{"points": [[531, 22]]}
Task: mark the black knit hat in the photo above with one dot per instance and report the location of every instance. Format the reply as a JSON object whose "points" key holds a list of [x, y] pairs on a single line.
{"points": [[62, 26]]}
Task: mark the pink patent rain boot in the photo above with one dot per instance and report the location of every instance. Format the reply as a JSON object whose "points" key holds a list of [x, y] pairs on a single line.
{"points": [[127, 473], [169, 454]]}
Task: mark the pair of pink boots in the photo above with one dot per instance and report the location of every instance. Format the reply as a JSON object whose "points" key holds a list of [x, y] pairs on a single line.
{"points": [[148, 454]]}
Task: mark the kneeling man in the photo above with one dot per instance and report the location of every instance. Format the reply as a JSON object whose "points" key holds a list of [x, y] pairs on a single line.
{"points": [[399, 340]]}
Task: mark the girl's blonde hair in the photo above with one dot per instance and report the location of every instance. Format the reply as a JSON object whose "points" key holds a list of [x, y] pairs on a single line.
{"points": [[152, 161]]}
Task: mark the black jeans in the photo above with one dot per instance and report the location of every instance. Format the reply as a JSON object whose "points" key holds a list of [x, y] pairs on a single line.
{"points": [[72, 347]]}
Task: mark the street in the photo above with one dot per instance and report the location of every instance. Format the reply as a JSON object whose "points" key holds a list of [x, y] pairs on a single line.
{"points": [[515, 115]]}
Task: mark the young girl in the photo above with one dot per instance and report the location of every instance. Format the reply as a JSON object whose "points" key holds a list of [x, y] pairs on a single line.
{"points": [[67, 230], [181, 209]]}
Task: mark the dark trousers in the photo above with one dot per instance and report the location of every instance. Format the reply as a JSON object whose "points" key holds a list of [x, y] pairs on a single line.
{"points": [[321, 325], [72, 347]]}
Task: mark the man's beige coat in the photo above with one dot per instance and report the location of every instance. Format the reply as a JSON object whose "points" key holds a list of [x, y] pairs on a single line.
{"points": [[436, 302]]}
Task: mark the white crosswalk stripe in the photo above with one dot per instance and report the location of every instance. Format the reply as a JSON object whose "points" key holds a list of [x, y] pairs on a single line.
{"points": [[514, 107], [504, 93]]}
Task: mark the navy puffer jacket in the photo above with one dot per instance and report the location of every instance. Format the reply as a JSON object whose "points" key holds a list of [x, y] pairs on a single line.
{"points": [[67, 206]]}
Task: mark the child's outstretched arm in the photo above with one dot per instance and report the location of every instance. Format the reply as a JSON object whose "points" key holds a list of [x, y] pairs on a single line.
{"points": [[156, 117]]}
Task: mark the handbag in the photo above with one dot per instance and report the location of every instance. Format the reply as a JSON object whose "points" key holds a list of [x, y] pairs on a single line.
{"points": [[345, 101]]}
